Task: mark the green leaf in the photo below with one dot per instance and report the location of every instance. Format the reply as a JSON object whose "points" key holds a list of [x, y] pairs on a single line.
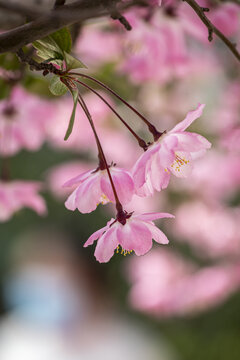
{"points": [[57, 87], [71, 122], [48, 49], [72, 62], [54, 45], [63, 39]]}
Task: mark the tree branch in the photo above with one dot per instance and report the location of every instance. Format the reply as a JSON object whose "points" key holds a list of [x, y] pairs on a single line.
{"points": [[211, 28], [57, 18]]}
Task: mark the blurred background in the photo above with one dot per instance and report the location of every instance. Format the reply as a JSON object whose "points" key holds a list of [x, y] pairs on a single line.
{"points": [[179, 301]]}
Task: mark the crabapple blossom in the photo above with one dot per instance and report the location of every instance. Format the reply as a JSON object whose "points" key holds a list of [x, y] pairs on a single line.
{"points": [[173, 152], [17, 194], [94, 187], [23, 126], [130, 231], [164, 284], [216, 235], [58, 175], [154, 50]]}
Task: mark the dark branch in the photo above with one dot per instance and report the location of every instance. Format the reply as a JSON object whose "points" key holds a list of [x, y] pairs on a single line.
{"points": [[211, 28], [59, 3], [55, 19]]}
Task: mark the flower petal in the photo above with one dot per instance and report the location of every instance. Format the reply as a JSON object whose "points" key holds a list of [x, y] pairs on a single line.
{"points": [[123, 183], [78, 179], [95, 236], [152, 216], [157, 234], [139, 169], [70, 203], [191, 142], [106, 245], [134, 235], [191, 116], [159, 176], [88, 195]]}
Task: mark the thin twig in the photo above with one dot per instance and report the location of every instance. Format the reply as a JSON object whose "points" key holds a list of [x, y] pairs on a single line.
{"points": [[211, 28], [59, 3]]}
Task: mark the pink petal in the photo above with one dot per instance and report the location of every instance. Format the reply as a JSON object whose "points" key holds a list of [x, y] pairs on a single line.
{"points": [[191, 116], [78, 179], [106, 245], [134, 235], [159, 176], [70, 203], [191, 142], [95, 236], [166, 153], [153, 216], [157, 234], [89, 195], [139, 169], [124, 185]]}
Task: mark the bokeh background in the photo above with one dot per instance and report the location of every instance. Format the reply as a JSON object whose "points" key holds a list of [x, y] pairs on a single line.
{"points": [[179, 301]]}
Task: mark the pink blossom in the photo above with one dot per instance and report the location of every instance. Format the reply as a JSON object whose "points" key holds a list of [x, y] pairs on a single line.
{"points": [[15, 195], [94, 187], [96, 46], [172, 153], [81, 137], [154, 50], [212, 231], [164, 284], [58, 175], [135, 233], [231, 140], [23, 120], [215, 177]]}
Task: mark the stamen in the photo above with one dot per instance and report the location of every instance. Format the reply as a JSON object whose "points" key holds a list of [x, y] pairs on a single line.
{"points": [[120, 250], [178, 162]]}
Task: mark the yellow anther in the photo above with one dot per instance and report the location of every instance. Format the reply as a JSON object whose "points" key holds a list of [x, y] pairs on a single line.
{"points": [[122, 251]]}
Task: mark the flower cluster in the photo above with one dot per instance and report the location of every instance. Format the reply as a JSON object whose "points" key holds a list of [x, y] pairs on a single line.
{"points": [[172, 152]]}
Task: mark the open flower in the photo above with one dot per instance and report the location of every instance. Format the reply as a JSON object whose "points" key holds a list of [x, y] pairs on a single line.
{"points": [[172, 153], [94, 188], [131, 232]]}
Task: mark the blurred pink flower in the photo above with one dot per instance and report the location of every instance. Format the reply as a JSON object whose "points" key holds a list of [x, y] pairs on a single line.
{"points": [[164, 284], [94, 187], [154, 50], [135, 233], [23, 120], [216, 185], [59, 174], [213, 231], [231, 140], [97, 45], [15, 195], [172, 153], [82, 137]]}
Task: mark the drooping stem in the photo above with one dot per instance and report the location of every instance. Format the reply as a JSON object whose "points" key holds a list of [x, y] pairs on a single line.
{"points": [[156, 134], [102, 157], [141, 142]]}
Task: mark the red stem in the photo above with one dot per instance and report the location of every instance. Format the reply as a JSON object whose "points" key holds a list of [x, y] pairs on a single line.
{"points": [[156, 134], [141, 142]]}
